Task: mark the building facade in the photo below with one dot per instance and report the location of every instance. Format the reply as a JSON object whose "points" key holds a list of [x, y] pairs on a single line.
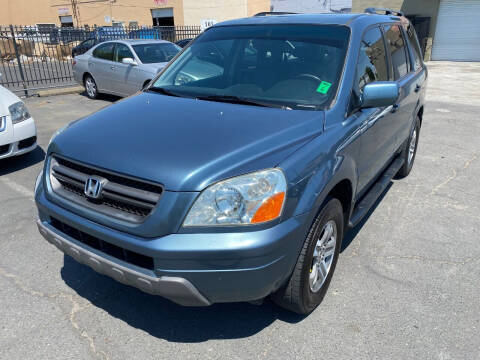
{"points": [[126, 12], [448, 29]]}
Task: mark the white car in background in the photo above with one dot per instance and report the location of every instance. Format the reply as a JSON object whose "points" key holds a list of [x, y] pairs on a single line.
{"points": [[18, 133], [122, 67]]}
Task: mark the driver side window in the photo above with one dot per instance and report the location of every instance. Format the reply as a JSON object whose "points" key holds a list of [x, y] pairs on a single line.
{"points": [[371, 65], [121, 52]]}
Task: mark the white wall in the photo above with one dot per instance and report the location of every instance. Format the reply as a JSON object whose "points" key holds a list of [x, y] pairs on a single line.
{"points": [[194, 11], [311, 6]]}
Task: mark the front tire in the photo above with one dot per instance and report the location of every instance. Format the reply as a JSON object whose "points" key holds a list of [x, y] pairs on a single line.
{"points": [[315, 266], [91, 87]]}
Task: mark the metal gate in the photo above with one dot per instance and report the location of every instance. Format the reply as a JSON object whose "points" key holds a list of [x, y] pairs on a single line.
{"points": [[33, 58]]}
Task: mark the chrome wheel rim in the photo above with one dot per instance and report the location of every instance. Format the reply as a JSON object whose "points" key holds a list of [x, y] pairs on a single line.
{"points": [[323, 256], [91, 87], [412, 146]]}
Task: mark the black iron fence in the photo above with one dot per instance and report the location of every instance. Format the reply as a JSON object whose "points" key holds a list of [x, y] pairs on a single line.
{"points": [[35, 57]]}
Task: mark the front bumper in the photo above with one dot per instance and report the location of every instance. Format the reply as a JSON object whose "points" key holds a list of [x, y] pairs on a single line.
{"points": [[174, 288], [12, 141], [189, 269]]}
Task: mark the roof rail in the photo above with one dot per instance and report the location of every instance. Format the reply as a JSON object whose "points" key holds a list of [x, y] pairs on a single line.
{"points": [[270, 13], [386, 11]]}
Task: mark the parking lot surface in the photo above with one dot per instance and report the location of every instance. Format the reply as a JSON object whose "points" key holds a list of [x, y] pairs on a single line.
{"points": [[406, 284]]}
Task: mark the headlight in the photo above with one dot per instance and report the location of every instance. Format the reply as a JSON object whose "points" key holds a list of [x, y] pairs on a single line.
{"points": [[19, 112], [58, 132], [247, 199]]}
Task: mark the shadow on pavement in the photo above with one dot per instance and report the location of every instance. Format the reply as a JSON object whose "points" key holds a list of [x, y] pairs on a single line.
{"points": [[166, 320], [105, 97], [16, 163]]}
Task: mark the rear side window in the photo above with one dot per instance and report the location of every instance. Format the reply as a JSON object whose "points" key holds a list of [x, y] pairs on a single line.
{"points": [[415, 46], [372, 63], [104, 51], [397, 50]]}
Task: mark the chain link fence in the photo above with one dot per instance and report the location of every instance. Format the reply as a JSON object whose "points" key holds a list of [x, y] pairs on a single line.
{"points": [[36, 57]]}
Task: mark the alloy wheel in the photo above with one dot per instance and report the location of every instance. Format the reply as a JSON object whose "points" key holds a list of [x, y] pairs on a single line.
{"points": [[323, 255]]}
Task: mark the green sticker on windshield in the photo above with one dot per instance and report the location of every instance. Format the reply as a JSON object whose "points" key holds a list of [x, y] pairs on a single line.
{"points": [[323, 87]]}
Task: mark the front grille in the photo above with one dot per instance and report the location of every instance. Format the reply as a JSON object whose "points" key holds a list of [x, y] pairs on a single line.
{"points": [[26, 143], [4, 149], [122, 197], [118, 252]]}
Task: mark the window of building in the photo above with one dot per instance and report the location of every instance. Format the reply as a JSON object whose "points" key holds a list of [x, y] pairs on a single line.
{"points": [[397, 50], [104, 51], [372, 64], [66, 21], [163, 17]]}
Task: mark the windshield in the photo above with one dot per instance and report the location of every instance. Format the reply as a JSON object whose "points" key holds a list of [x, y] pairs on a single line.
{"points": [[296, 66], [156, 53]]}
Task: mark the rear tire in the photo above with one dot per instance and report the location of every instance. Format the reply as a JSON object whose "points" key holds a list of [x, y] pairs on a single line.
{"points": [[409, 151], [315, 266], [91, 87]]}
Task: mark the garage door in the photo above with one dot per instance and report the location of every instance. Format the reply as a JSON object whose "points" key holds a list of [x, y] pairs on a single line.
{"points": [[457, 35]]}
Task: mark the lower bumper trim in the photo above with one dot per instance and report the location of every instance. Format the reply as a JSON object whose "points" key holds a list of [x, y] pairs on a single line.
{"points": [[176, 289]]}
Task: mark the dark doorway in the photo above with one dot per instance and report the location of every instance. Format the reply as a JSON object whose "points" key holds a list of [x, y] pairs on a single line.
{"points": [[163, 21], [163, 17], [422, 27]]}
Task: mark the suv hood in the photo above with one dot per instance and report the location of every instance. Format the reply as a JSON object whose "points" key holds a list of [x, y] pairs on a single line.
{"points": [[186, 144]]}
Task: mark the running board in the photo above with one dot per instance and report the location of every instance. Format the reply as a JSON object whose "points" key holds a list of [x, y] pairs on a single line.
{"points": [[361, 209]]}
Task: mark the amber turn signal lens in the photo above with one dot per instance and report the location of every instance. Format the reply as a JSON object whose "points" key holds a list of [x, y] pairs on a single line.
{"points": [[270, 209]]}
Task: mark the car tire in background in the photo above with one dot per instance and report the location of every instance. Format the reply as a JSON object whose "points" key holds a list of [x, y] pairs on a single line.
{"points": [[90, 87], [409, 151], [315, 266]]}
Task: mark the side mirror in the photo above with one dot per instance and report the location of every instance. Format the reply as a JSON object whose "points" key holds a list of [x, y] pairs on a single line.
{"points": [[129, 61], [380, 93]]}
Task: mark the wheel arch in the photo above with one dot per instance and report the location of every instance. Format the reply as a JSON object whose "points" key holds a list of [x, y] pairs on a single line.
{"points": [[146, 82], [337, 180], [420, 114], [85, 74]]}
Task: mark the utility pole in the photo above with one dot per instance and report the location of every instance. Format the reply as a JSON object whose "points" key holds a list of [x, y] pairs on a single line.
{"points": [[76, 12]]}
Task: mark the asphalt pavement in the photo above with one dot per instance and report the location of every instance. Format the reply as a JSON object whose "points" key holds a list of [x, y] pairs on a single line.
{"points": [[406, 285]]}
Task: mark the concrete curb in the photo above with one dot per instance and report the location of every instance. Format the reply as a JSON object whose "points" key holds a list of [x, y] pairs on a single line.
{"points": [[61, 91]]}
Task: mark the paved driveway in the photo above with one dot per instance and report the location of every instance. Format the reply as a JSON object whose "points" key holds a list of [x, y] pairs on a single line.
{"points": [[406, 285]]}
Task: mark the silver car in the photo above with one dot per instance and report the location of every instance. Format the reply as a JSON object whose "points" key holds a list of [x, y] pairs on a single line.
{"points": [[122, 67]]}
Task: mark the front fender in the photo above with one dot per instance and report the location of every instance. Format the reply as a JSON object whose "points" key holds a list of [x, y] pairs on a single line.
{"points": [[314, 171]]}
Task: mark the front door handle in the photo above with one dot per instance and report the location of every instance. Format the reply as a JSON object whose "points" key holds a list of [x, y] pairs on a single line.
{"points": [[112, 67], [418, 87], [394, 108]]}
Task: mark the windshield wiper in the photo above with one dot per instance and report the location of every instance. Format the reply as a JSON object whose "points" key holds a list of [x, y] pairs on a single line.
{"points": [[163, 91], [240, 100]]}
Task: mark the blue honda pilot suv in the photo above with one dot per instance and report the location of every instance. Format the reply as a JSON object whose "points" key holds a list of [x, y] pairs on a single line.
{"points": [[235, 174]]}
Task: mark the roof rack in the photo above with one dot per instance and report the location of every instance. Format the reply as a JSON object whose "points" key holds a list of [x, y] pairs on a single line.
{"points": [[270, 13], [386, 11]]}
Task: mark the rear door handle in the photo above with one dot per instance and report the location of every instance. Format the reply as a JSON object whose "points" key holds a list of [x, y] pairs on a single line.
{"points": [[394, 108], [112, 67], [418, 87]]}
